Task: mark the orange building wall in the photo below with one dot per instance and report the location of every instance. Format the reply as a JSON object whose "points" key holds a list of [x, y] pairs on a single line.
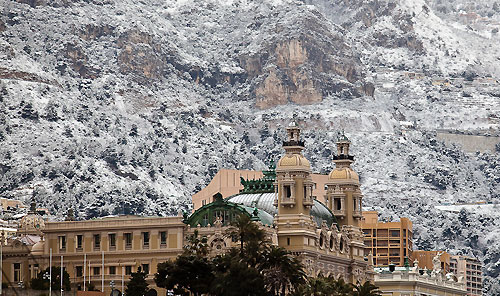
{"points": [[425, 259], [389, 242]]}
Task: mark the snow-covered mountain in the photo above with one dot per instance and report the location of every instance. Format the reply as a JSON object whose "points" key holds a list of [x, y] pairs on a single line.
{"points": [[115, 107]]}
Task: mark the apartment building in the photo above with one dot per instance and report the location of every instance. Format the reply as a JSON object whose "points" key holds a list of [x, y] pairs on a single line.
{"points": [[424, 259], [389, 242], [470, 269]]}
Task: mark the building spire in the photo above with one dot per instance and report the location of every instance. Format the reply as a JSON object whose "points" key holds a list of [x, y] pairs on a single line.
{"points": [[343, 159], [294, 145]]}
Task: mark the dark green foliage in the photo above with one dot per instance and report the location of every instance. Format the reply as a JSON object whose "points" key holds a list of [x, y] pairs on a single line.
{"points": [[239, 278], [191, 272], [40, 283], [137, 286], [255, 268], [366, 289]]}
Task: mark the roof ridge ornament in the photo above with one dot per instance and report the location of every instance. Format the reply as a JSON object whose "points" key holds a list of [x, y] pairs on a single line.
{"points": [[262, 185]]}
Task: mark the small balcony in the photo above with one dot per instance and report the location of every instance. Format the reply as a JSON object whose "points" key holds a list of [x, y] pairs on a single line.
{"points": [[342, 157], [308, 202], [357, 214], [339, 213], [288, 201]]}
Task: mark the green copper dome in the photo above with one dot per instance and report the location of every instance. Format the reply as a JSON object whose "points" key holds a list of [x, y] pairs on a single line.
{"points": [[264, 202], [226, 211]]}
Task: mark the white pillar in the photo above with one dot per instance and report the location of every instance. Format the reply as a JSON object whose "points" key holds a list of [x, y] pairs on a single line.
{"points": [[84, 269], [102, 272], [123, 274], [62, 273], [50, 272]]}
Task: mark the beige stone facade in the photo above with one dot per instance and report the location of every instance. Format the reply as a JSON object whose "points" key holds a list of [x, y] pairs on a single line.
{"points": [[411, 283], [127, 243]]}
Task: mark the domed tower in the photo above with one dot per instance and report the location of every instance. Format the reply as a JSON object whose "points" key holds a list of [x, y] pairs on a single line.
{"points": [[343, 195], [32, 223], [293, 194]]}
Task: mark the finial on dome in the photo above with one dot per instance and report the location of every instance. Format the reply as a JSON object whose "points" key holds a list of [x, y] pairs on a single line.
{"points": [[343, 159], [33, 207], [294, 123], [343, 137], [294, 144]]}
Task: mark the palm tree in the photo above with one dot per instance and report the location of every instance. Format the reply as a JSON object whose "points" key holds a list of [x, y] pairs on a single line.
{"points": [[366, 289], [282, 271], [340, 287], [317, 286], [247, 231]]}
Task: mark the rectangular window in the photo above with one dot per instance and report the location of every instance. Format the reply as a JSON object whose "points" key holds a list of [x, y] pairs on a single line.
{"points": [[79, 242], [203, 202], [394, 233], [288, 191], [145, 240], [383, 233], [97, 241], [128, 240], [163, 238], [112, 270], [97, 270], [145, 268], [112, 241], [128, 270], [79, 271], [288, 241], [35, 270], [62, 243], [17, 272]]}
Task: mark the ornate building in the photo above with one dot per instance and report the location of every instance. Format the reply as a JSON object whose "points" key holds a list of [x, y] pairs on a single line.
{"points": [[330, 243]]}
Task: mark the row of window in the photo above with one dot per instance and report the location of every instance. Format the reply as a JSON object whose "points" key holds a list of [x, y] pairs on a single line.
{"points": [[473, 267], [111, 269], [17, 270], [127, 237], [386, 233]]}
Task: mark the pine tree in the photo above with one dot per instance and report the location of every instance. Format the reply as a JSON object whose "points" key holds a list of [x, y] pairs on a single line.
{"points": [[137, 286]]}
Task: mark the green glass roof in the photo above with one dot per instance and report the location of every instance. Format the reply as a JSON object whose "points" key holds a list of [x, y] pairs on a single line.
{"points": [[264, 201], [227, 211]]}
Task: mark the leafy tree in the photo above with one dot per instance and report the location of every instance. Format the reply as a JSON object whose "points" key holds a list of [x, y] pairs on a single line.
{"points": [[239, 279], [41, 282], [191, 272], [137, 286], [254, 268]]}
